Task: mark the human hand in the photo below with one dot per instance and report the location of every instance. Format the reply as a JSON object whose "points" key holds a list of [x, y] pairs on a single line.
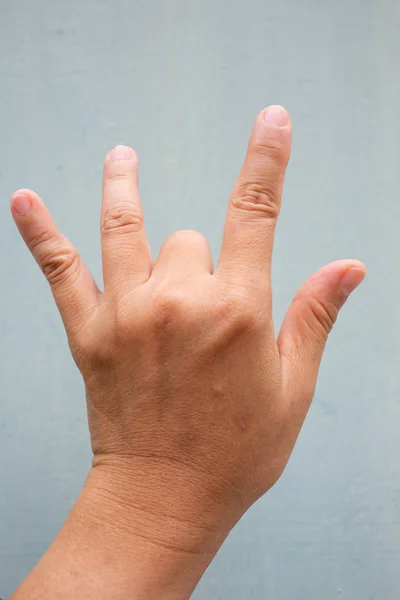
{"points": [[194, 407]]}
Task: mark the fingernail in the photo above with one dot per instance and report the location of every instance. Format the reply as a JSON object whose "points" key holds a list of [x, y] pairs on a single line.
{"points": [[21, 204], [276, 115], [120, 153], [351, 279]]}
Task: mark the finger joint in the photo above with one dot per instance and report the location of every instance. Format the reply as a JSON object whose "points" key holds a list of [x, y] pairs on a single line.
{"points": [[122, 220], [61, 264], [257, 199]]}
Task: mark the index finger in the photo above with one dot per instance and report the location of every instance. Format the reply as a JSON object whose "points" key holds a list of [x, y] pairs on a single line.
{"points": [[255, 201]]}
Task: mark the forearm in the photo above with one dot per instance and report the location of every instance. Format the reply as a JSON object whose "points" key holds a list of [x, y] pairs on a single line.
{"points": [[112, 549]]}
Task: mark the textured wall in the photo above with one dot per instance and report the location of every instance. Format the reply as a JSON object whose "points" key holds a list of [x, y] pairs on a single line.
{"points": [[181, 81]]}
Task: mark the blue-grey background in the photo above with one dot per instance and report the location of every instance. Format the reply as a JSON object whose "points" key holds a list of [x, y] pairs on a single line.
{"points": [[181, 81]]}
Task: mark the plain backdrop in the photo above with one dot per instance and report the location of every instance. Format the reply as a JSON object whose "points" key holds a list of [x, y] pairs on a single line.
{"points": [[182, 81]]}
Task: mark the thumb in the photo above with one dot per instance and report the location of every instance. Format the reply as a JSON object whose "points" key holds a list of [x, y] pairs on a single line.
{"points": [[308, 322]]}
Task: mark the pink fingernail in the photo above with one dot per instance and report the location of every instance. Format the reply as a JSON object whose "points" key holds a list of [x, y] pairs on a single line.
{"points": [[120, 153], [352, 279], [276, 115], [21, 204]]}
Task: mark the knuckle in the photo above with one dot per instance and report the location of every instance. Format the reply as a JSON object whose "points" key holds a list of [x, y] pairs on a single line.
{"points": [[261, 199], [39, 239], [186, 235], [128, 324], [83, 349], [171, 309], [98, 355], [323, 314], [122, 219], [241, 315], [58, 259], [92, 347], [61, 263], [272, 150], [91, 357], [114, 175], [245, 320]]}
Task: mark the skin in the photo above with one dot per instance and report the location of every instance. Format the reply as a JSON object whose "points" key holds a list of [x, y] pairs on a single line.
{"points": [[194, 406]]}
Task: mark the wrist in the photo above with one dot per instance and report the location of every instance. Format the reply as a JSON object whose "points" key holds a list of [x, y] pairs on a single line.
{"points": [[137, 502], [126, 538], [160, 542]]}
